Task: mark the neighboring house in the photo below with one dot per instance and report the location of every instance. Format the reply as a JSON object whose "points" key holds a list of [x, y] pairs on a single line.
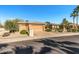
{"points": [[35, 26], [54, 26]]}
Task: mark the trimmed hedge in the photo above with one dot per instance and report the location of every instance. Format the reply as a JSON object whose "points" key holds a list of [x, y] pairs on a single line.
{"points": [[24, 32]]}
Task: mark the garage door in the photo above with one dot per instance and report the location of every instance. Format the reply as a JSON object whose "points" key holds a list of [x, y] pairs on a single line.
{"points": [[36, 27]]}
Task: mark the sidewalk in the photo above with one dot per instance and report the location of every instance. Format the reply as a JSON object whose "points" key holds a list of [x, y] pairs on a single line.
{"points": [[25, 38]]}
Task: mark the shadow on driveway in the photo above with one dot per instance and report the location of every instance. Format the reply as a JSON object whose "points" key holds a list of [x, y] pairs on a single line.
{"points": [[49, 46]]}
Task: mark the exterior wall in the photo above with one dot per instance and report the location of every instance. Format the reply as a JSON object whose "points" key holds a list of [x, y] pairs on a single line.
{"points": [[23, 27], [36, 27], [55, 26]]}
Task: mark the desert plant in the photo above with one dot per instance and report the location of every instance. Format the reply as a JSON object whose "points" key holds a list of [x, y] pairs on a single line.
{"points": [[24, 32], [48, 26], [12, 25], [64, 25]]}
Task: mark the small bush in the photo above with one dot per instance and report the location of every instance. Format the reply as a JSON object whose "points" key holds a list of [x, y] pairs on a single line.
{"points": [[24, 32], [78, 30], [58, 30], [74, 30], [48, 30], [69, 30]]}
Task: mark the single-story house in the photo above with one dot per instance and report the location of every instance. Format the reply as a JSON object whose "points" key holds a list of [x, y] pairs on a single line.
{"points": [[35, 26]]}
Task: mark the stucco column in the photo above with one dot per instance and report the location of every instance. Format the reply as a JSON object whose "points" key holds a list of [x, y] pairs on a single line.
{"points": [[31, 32], [43, 27]]}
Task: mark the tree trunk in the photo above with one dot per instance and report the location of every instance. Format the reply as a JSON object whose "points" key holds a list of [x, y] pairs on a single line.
{"points": [[77, 20], [77, 23]]}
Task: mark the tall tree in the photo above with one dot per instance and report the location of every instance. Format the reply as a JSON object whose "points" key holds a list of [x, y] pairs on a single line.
{"points": [[12, 25], [77, 12], [74, 15], [65, 24]]}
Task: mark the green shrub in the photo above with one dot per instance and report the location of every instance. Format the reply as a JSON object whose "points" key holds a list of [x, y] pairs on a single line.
{"points": [[74, 30], [69, 30], [24, 32], [48, 30], [78, 30], [58, 30]]}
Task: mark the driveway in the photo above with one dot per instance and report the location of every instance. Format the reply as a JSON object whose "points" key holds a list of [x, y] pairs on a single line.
{"points": [[45, 45]]}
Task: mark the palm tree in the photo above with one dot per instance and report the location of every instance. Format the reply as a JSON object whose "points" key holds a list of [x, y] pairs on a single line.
{"points": [[74, 15], [77, 12], [65, 24]]}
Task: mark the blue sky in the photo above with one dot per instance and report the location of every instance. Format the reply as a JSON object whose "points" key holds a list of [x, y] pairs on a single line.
{"points": [[36, 13]]}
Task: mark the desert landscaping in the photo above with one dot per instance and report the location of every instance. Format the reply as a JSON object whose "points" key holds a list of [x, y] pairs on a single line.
{"points": [[18, 36]]}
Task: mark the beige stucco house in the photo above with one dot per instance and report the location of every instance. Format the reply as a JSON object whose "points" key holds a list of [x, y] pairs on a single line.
{"points": [[35, 26]]}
